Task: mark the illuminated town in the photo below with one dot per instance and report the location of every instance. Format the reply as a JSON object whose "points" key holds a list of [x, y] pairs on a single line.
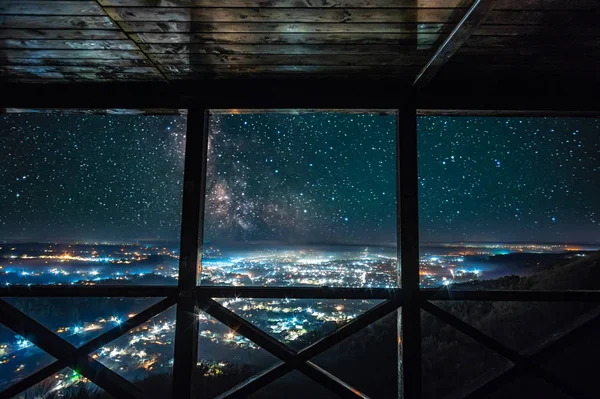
{"points": [[148, 349]]}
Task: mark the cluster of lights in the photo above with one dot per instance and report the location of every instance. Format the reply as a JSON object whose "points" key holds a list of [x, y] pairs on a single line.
{"points": [[303, 268]]}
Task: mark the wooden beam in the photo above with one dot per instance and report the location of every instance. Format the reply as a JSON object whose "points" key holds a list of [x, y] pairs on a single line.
{"points": [[407, 214], [474, 16], [192, 237]]}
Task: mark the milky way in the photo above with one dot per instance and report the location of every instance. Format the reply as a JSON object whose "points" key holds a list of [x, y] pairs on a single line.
{"points": [[288, 178]]}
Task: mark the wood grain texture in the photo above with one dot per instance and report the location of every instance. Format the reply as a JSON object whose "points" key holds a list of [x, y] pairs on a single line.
{"points": [[435, 15], [293, 69], [62, 34], [289, 38], [62, 40], [78, 69], [92, 62], [288, 3], [286, 59], [56, 22], [280, 49], [266, 27], [47, 77], [503, 4], [9, 54], [126, 45], [54, 7]]}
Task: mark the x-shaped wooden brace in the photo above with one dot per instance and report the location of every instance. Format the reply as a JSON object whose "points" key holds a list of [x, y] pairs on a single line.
{"points": [[521, 363], [68, 355], [292, 359]]}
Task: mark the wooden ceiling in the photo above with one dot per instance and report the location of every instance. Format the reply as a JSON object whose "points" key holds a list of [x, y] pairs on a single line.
{"points": [[177, 40]]}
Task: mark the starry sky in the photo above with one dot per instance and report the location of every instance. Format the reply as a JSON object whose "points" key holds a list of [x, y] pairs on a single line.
{"points": [[509, 179], [77, 177], [301, 178]]}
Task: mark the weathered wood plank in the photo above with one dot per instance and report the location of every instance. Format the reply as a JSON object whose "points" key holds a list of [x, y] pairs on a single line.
{"points": [[62, 34], [78, 69], [504, 4], [55, 7], [127, 45], [285, 59], [329, 15], [279, 49], [289, 38], [93, 54], [171, 70], [74, 62], [56, 22], [258, 27], [78, 77], [435, 15], [289, 3]]}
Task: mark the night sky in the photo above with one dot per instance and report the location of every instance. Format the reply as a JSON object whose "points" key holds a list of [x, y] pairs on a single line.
{"points": [[310, 178], [77, 177], [509, 179], [282, 178]]}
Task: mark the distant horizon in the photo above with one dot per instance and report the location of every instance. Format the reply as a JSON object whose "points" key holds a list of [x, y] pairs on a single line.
{"points": [[287, 243]]}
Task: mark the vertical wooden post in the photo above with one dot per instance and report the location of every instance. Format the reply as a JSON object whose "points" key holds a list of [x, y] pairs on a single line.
{"points": [[192, 225], [409, 317]]}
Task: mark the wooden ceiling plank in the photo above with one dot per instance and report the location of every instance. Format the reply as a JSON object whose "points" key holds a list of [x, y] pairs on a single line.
{"points": [[473, 17], [77, 69], [9, 54], [262, 27], [346, 15], [279, 49], [55, 7], [61, 34], [78, 77], [174, 69], [125, 45], [57, 22], [288, 3], [285, 59], [74, 62], [503, 4], [288, 38]]}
